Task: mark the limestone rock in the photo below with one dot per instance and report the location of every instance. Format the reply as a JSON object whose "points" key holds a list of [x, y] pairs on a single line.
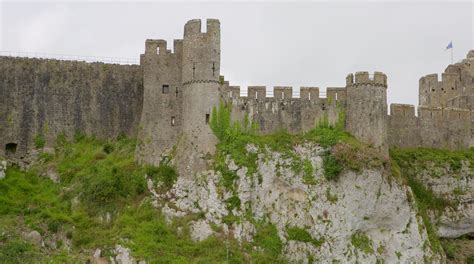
{"points": [[200, 230], [34, 237], [123, 255], [97, 257], [366, 203], [3, 169], [457, 187]]}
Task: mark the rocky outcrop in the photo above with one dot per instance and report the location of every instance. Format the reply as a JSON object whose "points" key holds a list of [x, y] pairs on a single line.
{"points": [[363, 216], [3, 168], [458, 188]]}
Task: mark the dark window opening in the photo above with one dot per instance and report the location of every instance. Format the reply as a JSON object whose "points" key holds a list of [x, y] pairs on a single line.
{"points": [[324, 107], [10, 148], [176, 91], [172, 121], [194, 69], [207, 118], [432, 90], [213, 69], [165, 89]]}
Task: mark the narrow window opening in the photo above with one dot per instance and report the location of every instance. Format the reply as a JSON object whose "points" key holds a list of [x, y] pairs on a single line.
{"points": [[176, 92], [336, 96], [282, 95], [230, 94], [172, 121], [256, 95], [309, 96], [207, 118], [165, 89], [213, 69], [157, 50], [194, 69], [324, 107], [10, 149], [432, 90]]}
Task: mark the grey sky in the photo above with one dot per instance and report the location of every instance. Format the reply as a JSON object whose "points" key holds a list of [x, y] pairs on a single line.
{"points": [[297, 44]]}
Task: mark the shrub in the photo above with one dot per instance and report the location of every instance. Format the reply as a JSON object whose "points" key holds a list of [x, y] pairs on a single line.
{"points": [[164, 174], [18, 251], [233, 202], [40, 142], [362, 242], [267, 239], [308, 172], [332, 167], [300, 234]]}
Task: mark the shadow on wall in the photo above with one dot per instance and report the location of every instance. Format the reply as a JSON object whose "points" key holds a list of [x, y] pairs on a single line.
{"points": [[10, 149]]}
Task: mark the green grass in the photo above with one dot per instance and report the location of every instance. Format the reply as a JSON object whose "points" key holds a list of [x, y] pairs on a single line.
{"points": [[40, 142], [234, 138], [300, 234], [104, 178], [308, 173], [362, 242], [427, 159], [267, 239]]}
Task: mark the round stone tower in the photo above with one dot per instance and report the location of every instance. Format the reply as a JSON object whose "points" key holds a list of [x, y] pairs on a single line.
{"points": [[200, 81], [366, 117]]}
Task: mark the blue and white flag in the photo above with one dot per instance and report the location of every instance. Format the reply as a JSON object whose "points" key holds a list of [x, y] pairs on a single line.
{"points": [[450, 45]]}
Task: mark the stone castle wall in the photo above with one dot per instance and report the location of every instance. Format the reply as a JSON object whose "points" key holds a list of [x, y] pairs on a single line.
{"points": [[282, 111], [166, 103], [434, 127], [50, 97]]}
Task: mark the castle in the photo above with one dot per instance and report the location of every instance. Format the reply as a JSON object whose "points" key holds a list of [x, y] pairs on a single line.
{"points": [[167, 100]]}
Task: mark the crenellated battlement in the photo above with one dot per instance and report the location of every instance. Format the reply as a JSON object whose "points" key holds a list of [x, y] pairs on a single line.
{"points": [[179, 88], [159, 47], [364, 79], [286, 93], [193, 27]]}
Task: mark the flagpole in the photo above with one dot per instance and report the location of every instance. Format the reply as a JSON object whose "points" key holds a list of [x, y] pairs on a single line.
{"points": [[452, 55]]}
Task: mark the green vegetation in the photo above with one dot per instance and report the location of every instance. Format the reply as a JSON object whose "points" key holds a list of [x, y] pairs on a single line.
{"points": [[450, 249], [267, 239], [100, 201], [308, 173], [234, 139], [300, 234], [409, 163], [332, 167], [362, 242], [332, 198], [40, 142], [427, 159]]}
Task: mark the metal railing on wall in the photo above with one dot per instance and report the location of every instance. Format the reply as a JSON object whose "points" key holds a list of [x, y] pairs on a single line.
{"points": [[40, 55]]}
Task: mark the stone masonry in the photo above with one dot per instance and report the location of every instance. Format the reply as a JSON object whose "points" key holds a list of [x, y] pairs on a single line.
{"points": [[167, 100]]}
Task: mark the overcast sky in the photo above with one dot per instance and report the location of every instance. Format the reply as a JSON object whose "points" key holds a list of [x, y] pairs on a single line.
{"points": [[295, 44]]}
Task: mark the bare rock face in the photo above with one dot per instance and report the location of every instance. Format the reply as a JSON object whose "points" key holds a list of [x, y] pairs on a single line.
{"points": [[458, 188], [200, 230], [34, 237], [3, 169], [97, 257], [367, 204], [123, 256]]}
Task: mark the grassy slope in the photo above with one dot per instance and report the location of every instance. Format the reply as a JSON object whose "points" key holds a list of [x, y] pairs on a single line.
{"points": [[103, 178]]}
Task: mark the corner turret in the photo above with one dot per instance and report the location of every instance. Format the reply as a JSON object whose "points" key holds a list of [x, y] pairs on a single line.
{"points": [[366, 116]]}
